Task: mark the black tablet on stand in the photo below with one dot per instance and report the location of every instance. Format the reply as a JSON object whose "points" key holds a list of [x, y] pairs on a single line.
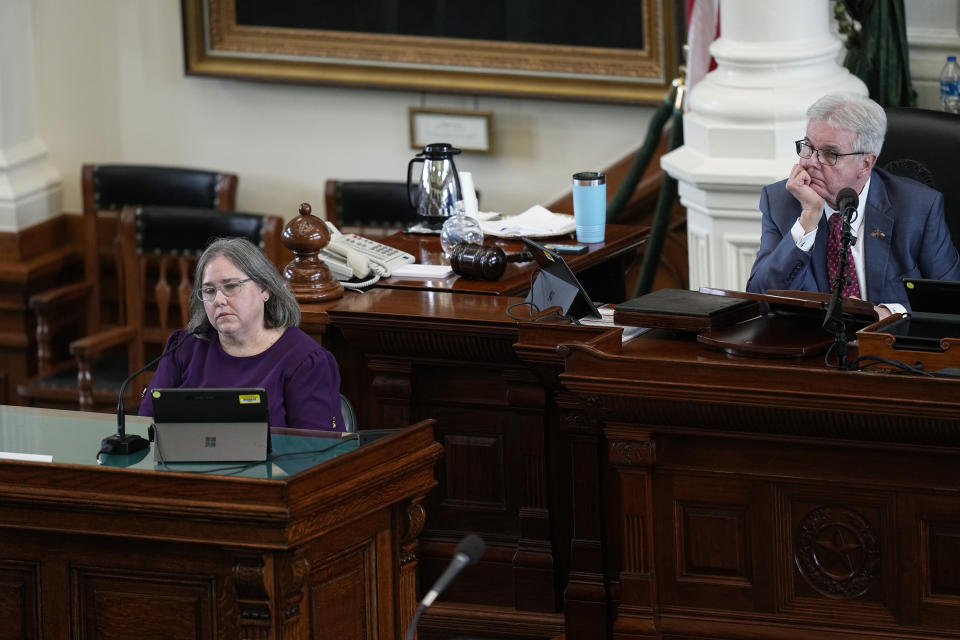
{"points": [[556, 286]]}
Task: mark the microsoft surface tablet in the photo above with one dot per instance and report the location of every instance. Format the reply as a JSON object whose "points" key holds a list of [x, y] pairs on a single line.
{"points": [[210, 425]]}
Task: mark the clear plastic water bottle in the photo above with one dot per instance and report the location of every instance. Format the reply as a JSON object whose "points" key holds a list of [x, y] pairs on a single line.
{"points": [[950, 86]]}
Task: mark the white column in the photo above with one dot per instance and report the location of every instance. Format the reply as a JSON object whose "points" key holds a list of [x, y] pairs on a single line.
{"points": [[774, 59], [29, 185]]}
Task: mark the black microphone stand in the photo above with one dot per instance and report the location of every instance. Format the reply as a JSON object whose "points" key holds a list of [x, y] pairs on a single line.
{"points": [[834, 322], [123, 443]]}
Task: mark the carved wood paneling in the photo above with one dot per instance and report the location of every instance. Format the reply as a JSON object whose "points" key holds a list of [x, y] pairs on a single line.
{"points": [[629, 453], [128, 603], [490, 420], [837, 551], [703, 565], [256, 617], [443, 345], [932, 527], [20, 600], [943, 542], [633, 546], [391, 392], [578, 438], [343, 595], [448, 619], [293, 569], [410, 525], [715, 543], [474, 475], [702, 411], [838, 562]]}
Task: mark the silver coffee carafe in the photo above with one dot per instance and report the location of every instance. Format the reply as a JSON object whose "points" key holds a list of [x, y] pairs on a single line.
{"points": [[439, 185]]}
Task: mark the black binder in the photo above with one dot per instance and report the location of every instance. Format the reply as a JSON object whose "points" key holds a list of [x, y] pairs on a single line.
{"points": [[684, 310]]}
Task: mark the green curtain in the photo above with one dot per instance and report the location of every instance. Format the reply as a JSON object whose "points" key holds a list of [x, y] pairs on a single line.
{"points": [[878, 53]]}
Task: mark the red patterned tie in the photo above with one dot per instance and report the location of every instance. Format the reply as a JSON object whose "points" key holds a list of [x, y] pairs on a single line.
{"points": [[851, 286]]}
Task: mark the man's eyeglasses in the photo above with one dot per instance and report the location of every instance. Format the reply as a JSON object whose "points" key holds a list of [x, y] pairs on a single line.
{"points": [[827, 157], [229, 289]]}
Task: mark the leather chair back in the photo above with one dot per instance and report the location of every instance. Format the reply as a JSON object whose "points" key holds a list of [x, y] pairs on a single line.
{"points": [[362, 207], [931, 138], [188, 230], [113, 186]]}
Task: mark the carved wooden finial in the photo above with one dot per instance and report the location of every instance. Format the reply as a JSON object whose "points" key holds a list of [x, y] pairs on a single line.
{"points": [[308, 276]]}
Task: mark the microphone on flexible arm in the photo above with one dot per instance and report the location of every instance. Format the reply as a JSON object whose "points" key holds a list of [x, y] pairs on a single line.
{"points": [[121, 443], [847, 202], [468, 552]]}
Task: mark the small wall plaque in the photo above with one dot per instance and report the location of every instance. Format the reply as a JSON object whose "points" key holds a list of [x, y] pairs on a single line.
{"points": [[465, 129]]}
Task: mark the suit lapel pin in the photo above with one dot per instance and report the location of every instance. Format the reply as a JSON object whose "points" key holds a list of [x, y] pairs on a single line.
{"points": [[878, 233]]}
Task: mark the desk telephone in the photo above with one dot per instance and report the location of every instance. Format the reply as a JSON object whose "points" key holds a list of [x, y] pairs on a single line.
{"points": [[359, 262]]}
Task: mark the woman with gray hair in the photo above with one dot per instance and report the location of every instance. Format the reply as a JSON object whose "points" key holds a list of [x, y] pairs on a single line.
{"points": [[243, 333]]}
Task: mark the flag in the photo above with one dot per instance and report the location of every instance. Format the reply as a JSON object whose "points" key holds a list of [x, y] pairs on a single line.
{"points": [[703, 27]]}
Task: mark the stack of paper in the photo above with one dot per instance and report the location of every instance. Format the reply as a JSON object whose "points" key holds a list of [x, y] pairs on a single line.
{"points": [[422, 270], [535, 222], [606, 320]]}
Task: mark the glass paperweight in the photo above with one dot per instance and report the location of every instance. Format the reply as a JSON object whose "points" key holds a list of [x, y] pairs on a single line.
{"points": [[459, 228]]}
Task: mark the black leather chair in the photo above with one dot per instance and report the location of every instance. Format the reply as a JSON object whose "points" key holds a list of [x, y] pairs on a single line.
{"points": [[368, 208], [113, 186], [95, 302], [922, 144], [108, 188]]}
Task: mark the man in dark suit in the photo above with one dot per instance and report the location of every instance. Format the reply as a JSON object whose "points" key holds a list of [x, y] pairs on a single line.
{"points": [[899, 224]]}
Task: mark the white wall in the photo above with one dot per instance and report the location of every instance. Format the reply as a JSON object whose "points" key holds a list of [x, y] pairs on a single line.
{"points": [[933, 31], [111, 88]]}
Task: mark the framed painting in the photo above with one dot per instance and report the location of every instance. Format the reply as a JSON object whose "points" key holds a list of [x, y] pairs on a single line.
{"points": [[606, 50]]}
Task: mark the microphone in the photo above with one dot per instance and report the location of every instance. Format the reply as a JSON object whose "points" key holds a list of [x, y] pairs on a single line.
{"points": [[847, 200], [468, 551], [121, 443]]}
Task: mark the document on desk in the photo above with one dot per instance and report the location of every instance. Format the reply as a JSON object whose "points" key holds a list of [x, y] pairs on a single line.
{"points": [[422, 271], [32, 457], [606, 320], [535, 222]]}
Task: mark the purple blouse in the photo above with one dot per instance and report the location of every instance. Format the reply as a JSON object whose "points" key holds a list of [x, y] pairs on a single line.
{"points": [[301, 377]]}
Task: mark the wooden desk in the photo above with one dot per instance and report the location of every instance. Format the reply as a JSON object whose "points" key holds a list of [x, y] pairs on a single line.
{"points": [[597, 268], [321, 550], [725, 497], [447, 353], [450, 356]]}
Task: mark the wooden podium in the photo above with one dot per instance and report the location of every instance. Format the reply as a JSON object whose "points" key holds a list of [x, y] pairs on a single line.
{"points": [[727, 497], [319, 543]]}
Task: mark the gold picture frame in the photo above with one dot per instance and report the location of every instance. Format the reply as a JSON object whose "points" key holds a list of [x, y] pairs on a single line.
{"points": [[216, 45]]}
